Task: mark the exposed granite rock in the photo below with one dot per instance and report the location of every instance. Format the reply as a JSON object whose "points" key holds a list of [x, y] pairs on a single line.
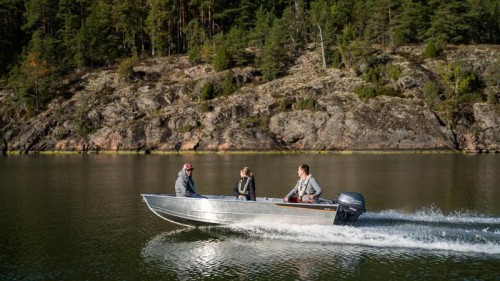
{"points": [[484, 134], [161, 111]]}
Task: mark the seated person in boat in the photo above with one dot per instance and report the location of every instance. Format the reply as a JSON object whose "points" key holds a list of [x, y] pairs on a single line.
{"points": [[184, 185], [307, 189], [244, 189]]}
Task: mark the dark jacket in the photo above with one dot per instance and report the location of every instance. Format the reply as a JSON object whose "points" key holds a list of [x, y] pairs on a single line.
{"points": [[246, 187]]}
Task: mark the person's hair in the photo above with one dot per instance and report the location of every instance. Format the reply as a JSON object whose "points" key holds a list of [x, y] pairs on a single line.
{"points": [[305, 167], [247, 171]]}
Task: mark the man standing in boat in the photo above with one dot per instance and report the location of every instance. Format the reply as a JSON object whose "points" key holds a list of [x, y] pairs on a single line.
{"points": [[244, 189], [184, 185], [307, 189]]}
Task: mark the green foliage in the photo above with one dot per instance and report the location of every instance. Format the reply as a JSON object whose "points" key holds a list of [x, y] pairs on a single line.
{"points": [[365, 91], [368, 91], [274, 55], [307, 104], [463, 84], [207, 92], [374, 74], [295, 27], [251, 122], [80, 34], [235, 44], [493, 97], [228, 86], [334, 58], [185, 129], [431, 90], [449, 22], [431, 50], [205, 107], [85, 126], [196, 39], [31, 81], [221, 60], [393, 71], [125, 68], [98, 38], [379, 72], [350, 48], [12, 38], [285, 105], [411, 21], [263, 23], [431, 93], [379, 21], [492, 80]]}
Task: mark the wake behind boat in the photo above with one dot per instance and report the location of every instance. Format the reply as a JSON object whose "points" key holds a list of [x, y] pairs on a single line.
{"points": [[222, 209]]}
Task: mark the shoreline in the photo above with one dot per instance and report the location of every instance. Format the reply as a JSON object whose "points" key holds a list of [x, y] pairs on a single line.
{"points": [[270, 152]]}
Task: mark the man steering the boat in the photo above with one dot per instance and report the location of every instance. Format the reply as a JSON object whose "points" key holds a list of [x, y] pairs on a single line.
{"points": [[307, 189], [184, 185]]}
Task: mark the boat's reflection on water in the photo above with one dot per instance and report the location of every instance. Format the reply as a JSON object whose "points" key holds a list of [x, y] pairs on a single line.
{"points": [[226, 253]]}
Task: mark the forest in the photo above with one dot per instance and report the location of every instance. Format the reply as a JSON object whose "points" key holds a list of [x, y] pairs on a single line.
{"points": [[43, 40]]}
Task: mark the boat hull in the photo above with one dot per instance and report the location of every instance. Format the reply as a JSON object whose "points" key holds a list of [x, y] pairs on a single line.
{"points": [[227, 210]]}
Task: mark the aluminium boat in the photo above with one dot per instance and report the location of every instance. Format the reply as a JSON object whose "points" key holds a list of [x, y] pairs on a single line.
{"points": [[223, 209]]}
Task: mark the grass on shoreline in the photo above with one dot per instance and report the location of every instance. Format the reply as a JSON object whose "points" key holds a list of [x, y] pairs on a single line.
{"points": [[270, 152]]}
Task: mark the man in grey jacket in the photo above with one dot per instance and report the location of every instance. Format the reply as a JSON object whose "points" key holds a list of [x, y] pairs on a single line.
{"points": [[184, 185], [307, 189]]}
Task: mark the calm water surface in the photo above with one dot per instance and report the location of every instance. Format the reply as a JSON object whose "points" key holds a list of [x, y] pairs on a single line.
{"points": [[74, 217]]}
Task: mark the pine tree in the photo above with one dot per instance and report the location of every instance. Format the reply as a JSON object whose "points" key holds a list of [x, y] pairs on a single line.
{"points": [[100, 38], [274, 56], [263, 24], [246, 14], [235, 44], [196, 39], [412, 22], [42, 24], [127, 17], [380, 23], [450, 22], [482, 20], [295, 26], [350, 47], [12, 38], [323, 22], [71, 16], [221, 59], [342, 14]]}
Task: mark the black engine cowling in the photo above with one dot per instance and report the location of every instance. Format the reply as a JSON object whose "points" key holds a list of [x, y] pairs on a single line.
{"points": [[350, 206]]}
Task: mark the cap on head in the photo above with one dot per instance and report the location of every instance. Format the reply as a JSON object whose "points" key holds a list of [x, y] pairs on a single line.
{"points": [[188, 167]]}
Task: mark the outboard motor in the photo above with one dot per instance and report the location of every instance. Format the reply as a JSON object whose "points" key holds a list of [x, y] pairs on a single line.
{"points": [[351, 206]]}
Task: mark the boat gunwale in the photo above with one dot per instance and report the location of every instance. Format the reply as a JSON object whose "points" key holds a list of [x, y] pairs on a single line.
{"points": [[267, 200]]}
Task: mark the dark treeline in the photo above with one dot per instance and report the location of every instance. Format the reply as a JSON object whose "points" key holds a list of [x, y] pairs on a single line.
{"points": [[41, 40]]}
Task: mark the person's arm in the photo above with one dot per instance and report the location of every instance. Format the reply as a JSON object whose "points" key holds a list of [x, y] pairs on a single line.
{"points": [[189, 187], [317, 189], [292, 192], [180, 187], [235, 189], [251, 188]]}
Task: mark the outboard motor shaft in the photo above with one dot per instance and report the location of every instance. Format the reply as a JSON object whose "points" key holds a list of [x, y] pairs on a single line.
{"points": [[351, 206]]}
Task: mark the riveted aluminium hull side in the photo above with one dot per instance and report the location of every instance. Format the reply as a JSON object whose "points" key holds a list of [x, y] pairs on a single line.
{"points": [[227, 210]]}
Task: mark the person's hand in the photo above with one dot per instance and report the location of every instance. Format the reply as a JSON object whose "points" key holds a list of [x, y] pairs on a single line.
{"points": [[310, 196], [285, 199]]}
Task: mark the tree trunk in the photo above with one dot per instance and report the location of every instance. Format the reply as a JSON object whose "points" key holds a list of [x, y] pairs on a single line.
{"points": [[322, 47]]}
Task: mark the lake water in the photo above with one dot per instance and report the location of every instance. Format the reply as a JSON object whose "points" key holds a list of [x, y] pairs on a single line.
{"points": [[81, 217]]}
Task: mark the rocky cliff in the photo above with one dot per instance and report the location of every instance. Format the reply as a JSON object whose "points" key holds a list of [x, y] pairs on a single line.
{"points": [[161, 109]]}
